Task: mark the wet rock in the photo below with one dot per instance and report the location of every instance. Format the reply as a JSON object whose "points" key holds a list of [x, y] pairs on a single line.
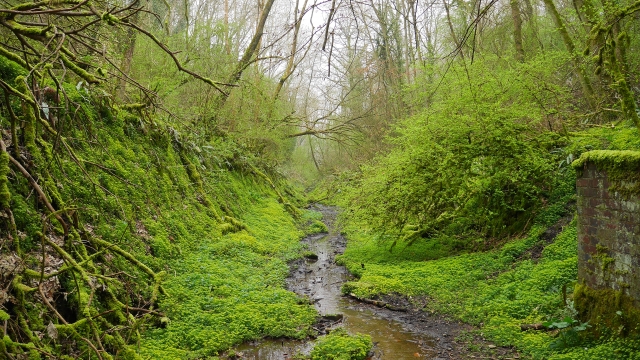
{"points": [[311, 256], [333, 317]]}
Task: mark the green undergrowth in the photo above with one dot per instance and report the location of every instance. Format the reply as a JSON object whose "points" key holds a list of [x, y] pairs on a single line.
{"points": [[500, 289], [312, 221], [202, 241], [528, 279], [340, 345], [497, 290], [231, 289]]}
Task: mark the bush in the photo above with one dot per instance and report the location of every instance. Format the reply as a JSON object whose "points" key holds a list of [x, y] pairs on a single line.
{"points": [[471, 163]]}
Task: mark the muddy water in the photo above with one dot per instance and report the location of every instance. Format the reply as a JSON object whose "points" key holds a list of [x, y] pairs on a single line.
{"points": [[320, 280]]}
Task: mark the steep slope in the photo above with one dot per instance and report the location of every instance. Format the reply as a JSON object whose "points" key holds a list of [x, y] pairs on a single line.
{"points": [[153, 246]]}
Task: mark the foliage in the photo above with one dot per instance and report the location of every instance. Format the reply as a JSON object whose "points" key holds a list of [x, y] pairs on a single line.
{"points": [[230, 290], [150, 242], [472, 163], [339, 345], [520, 282], [312, 222], [143, 211]]}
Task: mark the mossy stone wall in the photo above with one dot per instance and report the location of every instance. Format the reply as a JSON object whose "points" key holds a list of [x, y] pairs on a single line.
{"points": [[609, 223]]}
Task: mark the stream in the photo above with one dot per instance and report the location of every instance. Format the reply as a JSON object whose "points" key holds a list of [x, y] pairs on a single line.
{"points": [[394, 334]]}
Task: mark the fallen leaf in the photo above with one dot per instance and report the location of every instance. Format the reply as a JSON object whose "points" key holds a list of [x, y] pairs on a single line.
{"points": [[52, 331]]}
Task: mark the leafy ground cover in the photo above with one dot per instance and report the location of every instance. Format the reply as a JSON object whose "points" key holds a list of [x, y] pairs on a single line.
{"points": [[496, 290], [525, 280], [202, 241], [231, 289], [339, 345]]}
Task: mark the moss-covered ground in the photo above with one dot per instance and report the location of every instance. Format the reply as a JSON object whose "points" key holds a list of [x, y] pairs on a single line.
{"points": [[231, 289], [339, 345], [497, 290], [191, 242]]}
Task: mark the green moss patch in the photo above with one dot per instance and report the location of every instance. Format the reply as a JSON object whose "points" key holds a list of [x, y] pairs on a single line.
{"points": [[610, 311], [230, 289], [622, 167], [340, 345]]}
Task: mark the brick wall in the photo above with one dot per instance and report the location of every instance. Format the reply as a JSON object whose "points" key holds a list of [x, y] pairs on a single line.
{"points": [[608, 235]]}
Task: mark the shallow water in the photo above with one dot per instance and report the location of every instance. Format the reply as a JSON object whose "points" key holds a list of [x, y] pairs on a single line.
{"points": [[321, 281]]}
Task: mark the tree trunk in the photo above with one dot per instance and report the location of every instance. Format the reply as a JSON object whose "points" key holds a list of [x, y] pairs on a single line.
{"points": [[291, 64], [568, 42], [416, 37], [125, 66], [618, 67], [253, 45], [227, 40], [517, 29], [451, 29]]}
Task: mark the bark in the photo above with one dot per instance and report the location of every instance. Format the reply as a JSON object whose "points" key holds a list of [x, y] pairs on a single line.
{"points": [[416, 38], [619, 67], [253, 46], [451, 29], [568, 42], [531, 17], [313, 154], [129, 47], [227, 40], [291, 63], [517, 29]]}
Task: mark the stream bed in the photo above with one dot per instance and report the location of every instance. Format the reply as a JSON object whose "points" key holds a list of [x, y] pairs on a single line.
{"points": [[396, 335]]}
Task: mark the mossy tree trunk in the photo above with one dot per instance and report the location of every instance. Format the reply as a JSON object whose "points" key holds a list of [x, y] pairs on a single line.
{"points": [[517, 29], [585, 81]]}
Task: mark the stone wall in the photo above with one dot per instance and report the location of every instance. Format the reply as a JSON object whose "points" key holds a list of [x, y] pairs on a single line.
{"points": [[609, 223]]}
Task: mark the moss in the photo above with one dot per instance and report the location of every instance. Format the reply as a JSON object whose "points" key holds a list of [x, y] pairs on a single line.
{"points": [[602, 257], [607, 310], [196, 179], [134, 106], [104, 203], [5, 195], [610, 159], [29, 129], [294, 211], [622, 167], [11, 65], [339, 345], [232, 225], [76, 69], [310, 255], [110, 19], [316, 227], [27, 30]]}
